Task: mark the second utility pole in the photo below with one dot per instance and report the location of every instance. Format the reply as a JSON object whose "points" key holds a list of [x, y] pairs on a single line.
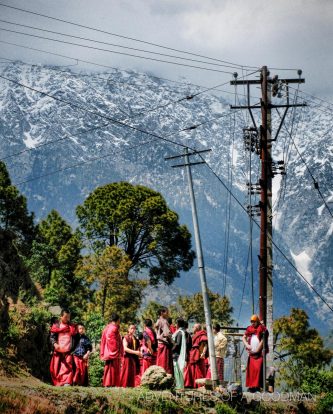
{"points": [[201, 266]]}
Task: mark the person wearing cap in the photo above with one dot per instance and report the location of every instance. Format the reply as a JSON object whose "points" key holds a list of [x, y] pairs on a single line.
{"points": [[253, 339]]}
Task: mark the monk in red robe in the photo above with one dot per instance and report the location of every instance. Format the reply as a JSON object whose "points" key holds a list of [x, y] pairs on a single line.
{"points": [[196, 368], [111, 352], [253, 340], [149, 346], [131, 364], [164, 340], [81, 354], [61, 366]]}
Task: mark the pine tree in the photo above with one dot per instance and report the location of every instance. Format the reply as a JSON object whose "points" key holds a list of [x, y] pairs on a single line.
{"points": [[299, 347], [16, 234], [138, 220], [55, 255], [113, 290]]}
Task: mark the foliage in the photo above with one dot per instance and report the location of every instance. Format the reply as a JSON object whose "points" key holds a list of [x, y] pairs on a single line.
{"points": [[95, 369], [316, 381], [113, 290], [28, 337], [299, 346], [55, 254], [192, 307], [16, 233], [138, 220], [94, 324], [221, 408], [14, 216], [325, 404]]}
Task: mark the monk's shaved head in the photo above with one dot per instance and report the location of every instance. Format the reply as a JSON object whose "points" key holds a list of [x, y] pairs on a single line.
{"points": [[197, 327]]}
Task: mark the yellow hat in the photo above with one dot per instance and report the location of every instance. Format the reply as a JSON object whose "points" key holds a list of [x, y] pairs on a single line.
{"points": [[255, 318]]}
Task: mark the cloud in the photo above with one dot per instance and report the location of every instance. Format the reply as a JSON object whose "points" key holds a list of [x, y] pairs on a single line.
{"points": [[293, 34]]}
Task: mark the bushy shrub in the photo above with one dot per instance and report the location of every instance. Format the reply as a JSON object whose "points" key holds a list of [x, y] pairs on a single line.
{"points": [[96, 369], [325, 404], [317, 381]]}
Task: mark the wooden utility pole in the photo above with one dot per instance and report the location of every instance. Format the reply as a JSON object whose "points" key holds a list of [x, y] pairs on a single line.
{"points": [[268, 170], [201, 266]]}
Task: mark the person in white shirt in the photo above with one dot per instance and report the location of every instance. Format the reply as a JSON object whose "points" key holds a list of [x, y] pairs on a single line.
{"points": [[221, 343]]}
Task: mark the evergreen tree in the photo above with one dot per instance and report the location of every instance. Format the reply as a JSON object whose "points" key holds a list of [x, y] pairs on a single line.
{"points": [[108, 275], [55, 254], [299, 346], [192, 307], [138, 220], [15, 220], [16, 234]]}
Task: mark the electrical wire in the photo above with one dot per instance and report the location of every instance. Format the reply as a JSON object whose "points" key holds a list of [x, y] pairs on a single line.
{"points": [[123, 37], [206, 89], [315, 182], [117, 52], [115, 121], [272, 241], [118, 45]]}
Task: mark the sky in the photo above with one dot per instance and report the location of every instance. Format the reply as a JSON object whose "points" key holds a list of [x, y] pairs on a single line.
{"points": [[282, 34]]}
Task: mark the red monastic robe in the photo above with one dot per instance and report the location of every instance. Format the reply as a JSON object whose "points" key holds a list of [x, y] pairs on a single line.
{"points": [[164, 349], [81, 371], [61, 365], [195, 368], [111, 352], [131, 366], [254, 369], [148, 359]]}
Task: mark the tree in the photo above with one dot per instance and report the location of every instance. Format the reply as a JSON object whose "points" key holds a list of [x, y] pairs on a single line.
{"points": [[192, 307], [55, 255], [108, 275], [299, 346], [138, 220], [16, 234], [15, 219], [152, 308]]}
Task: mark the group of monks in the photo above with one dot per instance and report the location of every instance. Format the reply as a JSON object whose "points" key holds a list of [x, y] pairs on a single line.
{"points": [[126, 359], [161, 344]]}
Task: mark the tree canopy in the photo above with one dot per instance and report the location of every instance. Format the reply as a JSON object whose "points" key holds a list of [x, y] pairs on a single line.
{"points": [[55, 254], [299, 346], [192, 307], [138, 220], [113, 291], [16, 234]]}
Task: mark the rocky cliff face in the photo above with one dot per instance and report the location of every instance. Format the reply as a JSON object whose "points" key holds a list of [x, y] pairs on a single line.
{"points": [[86, 150]]}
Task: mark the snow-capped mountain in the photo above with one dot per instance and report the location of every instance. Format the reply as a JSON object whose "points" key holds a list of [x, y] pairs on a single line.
{"points": [[94, 126]]}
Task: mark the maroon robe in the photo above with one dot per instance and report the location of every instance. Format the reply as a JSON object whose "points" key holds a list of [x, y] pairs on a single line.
{"points": [[148, 359], [196, 368], [254, 369], [111, 352], [81, 371], [131, 366], [164, 349], [61, 365]]}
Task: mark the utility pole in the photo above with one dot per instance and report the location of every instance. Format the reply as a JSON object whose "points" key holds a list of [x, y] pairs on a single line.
{"points": [[201, 266], [261, 140]]}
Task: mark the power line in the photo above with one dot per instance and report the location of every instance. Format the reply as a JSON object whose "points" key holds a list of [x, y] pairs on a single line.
{"points": [[206, 89], [315, 182], [116, 52], [115, 121], [274, 244], [79, 164], [124, 37], [117, 45]]}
